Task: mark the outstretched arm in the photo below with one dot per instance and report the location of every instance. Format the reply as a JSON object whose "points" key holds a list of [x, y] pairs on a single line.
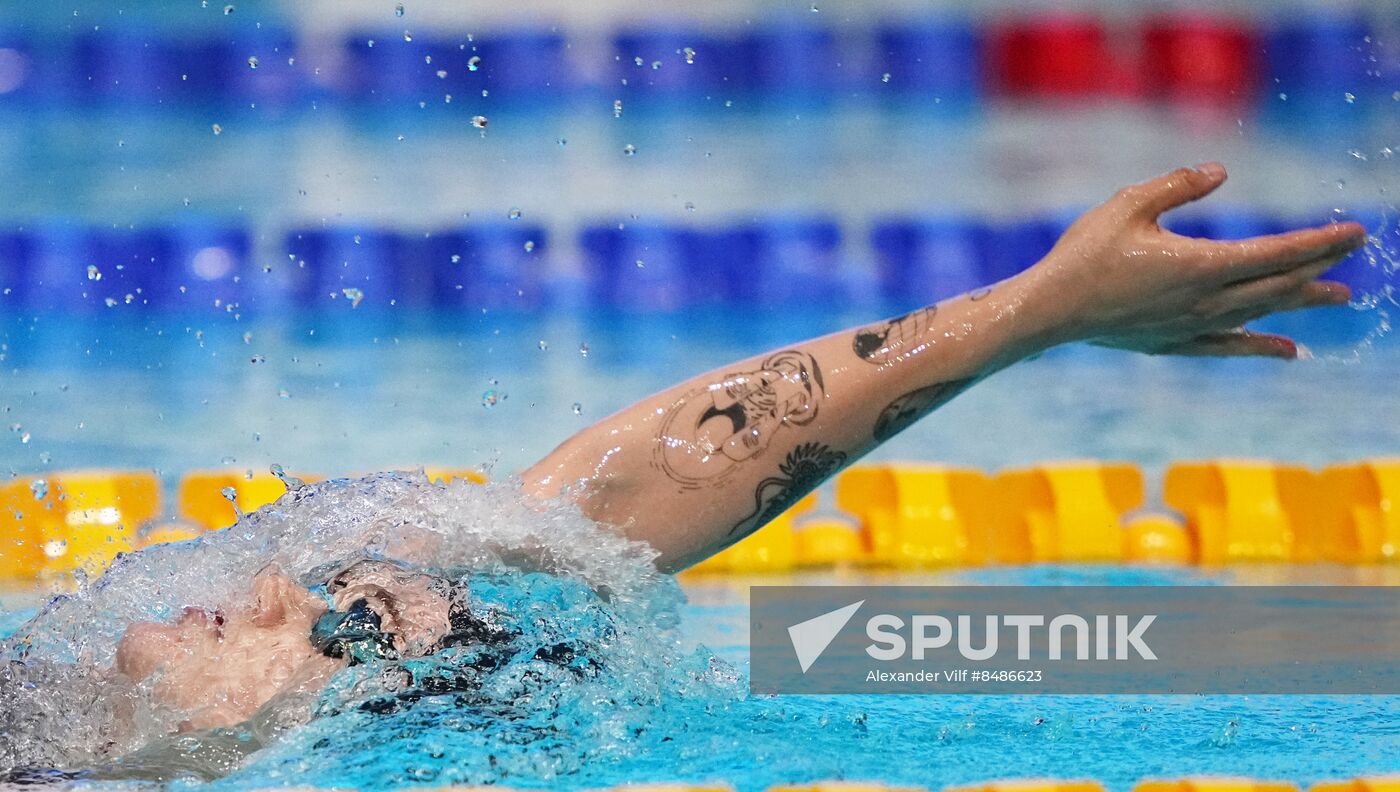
{"points": [[701, 465]]}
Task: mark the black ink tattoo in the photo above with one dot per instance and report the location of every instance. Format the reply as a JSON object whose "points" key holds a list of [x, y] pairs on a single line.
{"points": [[903, 412], [710, 430], [881, 343], [804, 469]]}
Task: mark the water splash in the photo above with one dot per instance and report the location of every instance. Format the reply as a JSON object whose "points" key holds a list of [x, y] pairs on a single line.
{"points": [[593, 647]]}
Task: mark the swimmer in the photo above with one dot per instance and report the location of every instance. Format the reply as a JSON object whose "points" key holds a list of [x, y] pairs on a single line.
{"points": [[698, 467]]}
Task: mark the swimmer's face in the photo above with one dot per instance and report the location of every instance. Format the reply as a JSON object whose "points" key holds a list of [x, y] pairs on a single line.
{"points": [[220, 667]]}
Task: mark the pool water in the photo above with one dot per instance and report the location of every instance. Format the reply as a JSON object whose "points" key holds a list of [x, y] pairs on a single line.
{"points": [[715, 732]]}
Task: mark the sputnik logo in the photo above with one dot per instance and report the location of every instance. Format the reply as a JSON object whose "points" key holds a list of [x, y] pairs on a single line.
{"points": [[810, 638]]}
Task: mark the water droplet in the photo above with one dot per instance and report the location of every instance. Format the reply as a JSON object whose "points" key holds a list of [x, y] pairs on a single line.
{"points": [[583, 350], [282, 393], [1283, 97], [1350, 97], [479, 122], [407, 36], [629, 149], [230, 494], [252, 61], [617, 108], [491, 398], [815, 9], [255, 359], [218, 130], [689, 54], [529, 246], [40, 488], [474, 63], [655, 65], [1357, 154], [689, 206], [641, 264], [578, 408], [563, 142], [24, 438], [885, 77], [111, 302], [288, 481], [354, 295], [93, 273], [398, 10], [514, 213], [456, 258], [228, 9]]}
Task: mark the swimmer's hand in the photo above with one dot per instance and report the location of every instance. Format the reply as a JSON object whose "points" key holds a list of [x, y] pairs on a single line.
{"points": [[1120, 280]]}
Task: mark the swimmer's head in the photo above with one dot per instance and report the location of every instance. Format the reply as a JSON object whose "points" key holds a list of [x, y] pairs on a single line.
{"points": [[219, 666]]}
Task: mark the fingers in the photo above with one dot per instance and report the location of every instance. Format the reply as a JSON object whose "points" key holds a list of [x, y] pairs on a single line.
{"points": [[1237, 343], [1170, 190], [1270, 288], [1261, 256]]}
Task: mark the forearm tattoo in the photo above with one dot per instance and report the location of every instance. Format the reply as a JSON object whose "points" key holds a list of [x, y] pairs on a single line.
{"points": [[879, 344], [804, 469], [903, 412], [707, 432]]}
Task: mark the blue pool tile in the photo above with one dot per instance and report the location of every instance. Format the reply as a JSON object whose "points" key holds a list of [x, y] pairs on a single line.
{"points": [[276, 81], [523, 65], [328, 261], [206, 267], [930, 59], [505, 264], [133, 65], [787, 261], [921, 260], [1011, 246], [675, 63], [795, 62], [643, 266]]}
